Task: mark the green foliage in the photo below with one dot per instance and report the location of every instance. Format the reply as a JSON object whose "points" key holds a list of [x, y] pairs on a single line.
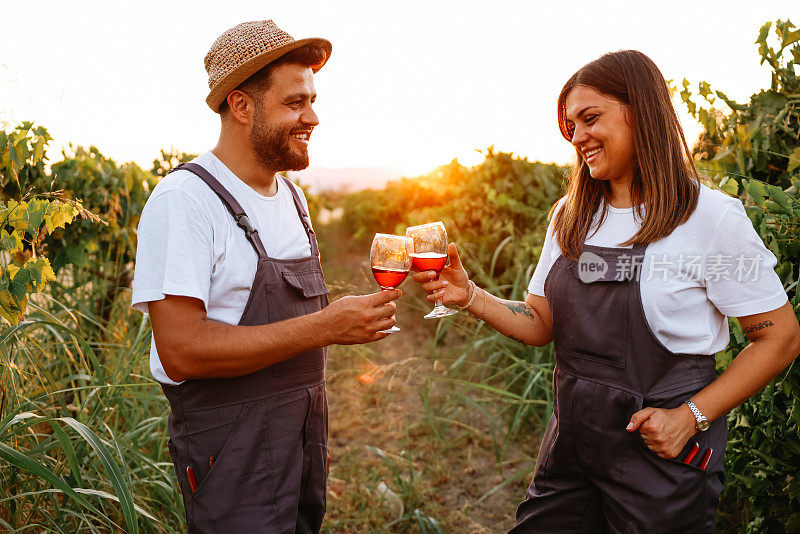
{"points": [[753, 150], [82, 431], [496, 211], [93, 262], [168, 161], [26, 218], [389, 210]]}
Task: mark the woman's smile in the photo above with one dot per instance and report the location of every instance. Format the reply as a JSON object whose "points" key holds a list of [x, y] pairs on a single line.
{"points": [[590, 155]]}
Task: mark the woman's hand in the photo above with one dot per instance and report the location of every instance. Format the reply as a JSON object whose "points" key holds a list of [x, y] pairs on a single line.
{"points": [[665, 432], [452, 286]]}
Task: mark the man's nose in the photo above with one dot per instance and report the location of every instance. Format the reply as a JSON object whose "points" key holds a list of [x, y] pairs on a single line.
{"points": [[309, 116]]}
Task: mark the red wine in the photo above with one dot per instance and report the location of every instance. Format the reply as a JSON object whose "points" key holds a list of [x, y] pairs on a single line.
{"points": [[428, 261], [389, 278]]}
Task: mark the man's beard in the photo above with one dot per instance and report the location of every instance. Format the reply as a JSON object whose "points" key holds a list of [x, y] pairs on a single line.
{"points": [[271, 146]]}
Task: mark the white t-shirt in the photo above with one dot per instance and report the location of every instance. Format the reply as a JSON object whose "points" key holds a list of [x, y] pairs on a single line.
{"points": [[712, 266], [190, 245]]}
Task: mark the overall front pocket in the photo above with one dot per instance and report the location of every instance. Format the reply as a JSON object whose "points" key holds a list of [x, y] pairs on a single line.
{"points": [[237, 493], [206, 434]]}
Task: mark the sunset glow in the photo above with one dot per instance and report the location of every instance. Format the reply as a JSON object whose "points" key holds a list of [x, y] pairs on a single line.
{"points": [[401, 90]]}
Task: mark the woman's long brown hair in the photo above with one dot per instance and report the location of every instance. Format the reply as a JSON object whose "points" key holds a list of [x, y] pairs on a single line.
{"points": [[665, 178]]}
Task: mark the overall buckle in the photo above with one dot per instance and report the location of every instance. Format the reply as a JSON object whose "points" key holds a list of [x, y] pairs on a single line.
{"points": [[243, 222]]}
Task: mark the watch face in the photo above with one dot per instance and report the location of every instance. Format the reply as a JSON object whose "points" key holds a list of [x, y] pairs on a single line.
{"points": [[703, 425]]}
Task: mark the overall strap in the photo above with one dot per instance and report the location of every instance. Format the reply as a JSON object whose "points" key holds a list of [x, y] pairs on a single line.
{"points": [[312, 238], [235, 209]]}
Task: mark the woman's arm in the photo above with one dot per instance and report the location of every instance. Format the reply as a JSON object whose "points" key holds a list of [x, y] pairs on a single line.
{"points": [[774, 344], [528, 322]]}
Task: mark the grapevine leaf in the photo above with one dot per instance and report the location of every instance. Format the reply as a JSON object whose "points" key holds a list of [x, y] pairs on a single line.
{"points": [[19, 283], [11, 309], [757, 192], [761, 41], [16, 215], [35, 212], [781, 200], [40, 272], [59, 214], [10, 243], [38, 150], [729, 185], [790, 38]]}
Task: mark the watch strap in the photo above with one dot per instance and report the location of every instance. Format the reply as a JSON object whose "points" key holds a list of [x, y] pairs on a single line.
{"points": [[698, 415]]}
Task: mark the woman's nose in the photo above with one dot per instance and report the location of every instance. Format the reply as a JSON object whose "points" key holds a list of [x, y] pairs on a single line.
{"points": [[579, 136]]}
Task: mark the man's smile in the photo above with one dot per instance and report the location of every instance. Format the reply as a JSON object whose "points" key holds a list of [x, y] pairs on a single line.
{"points": [[301, 136]]}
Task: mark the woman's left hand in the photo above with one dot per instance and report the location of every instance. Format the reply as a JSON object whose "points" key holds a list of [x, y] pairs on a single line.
{"points": [[664, 431]]}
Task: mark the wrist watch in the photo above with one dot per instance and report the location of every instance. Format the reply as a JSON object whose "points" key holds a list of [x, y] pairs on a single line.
{"points": [[702, 422]]}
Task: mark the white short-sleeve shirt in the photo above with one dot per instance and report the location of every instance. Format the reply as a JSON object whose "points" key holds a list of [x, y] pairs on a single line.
{"points": [[712, 266], [190, 245]]}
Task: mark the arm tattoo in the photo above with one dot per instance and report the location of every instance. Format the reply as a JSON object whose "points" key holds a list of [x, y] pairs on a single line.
{"points": [[759, 326], [518, 340], [519, 308]]}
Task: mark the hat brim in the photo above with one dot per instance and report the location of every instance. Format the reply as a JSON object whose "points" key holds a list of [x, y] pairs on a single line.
{"points": [[220, 91]]}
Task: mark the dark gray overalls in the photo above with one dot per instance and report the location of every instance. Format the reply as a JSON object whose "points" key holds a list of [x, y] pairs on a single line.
{"points": [[257, 443], [591, 474]]}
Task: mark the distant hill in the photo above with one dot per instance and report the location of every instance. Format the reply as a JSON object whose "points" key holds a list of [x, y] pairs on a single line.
{"points": [[347, 179]]}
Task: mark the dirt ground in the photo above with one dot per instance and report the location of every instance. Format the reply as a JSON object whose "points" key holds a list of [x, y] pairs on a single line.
{"points": [[393, 451]]}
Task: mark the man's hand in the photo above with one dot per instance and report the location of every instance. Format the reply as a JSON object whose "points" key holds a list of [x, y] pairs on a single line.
{"points": [[664, 431], [357, 319]]}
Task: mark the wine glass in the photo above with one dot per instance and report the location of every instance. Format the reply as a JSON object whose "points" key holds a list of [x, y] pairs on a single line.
{"points": [[430, 254], [390, 259]]}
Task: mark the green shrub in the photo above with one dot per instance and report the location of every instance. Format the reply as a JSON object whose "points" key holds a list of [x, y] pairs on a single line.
{"points": [[753, 150]]}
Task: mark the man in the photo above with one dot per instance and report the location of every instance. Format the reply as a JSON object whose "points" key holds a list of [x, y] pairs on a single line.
{"points": [[228, 268]]}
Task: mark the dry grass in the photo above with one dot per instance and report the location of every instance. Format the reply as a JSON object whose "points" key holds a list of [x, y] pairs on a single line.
{"points": [[388, 428]]}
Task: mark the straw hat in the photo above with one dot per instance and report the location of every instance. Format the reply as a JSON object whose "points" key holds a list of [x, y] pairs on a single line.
{"points": [[243, 50]]}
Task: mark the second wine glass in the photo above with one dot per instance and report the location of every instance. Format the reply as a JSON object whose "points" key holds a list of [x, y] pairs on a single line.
{"points": [[430, 254], [390, 260]]}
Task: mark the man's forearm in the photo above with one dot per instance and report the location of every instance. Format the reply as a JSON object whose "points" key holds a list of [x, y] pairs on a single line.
{"points": [[216, 350]]}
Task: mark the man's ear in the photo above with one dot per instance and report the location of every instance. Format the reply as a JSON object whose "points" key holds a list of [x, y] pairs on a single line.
{"points": [[240, 106]]}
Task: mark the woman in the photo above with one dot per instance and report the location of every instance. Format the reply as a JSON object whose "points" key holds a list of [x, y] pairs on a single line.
{"points": [[640, 267]]}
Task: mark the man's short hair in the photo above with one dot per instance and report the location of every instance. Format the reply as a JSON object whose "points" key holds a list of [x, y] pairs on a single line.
{"points": [[256, 85]]}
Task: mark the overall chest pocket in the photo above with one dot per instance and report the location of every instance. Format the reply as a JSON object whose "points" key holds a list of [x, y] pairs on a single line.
{"points": [[298, 293], [593, 317]]}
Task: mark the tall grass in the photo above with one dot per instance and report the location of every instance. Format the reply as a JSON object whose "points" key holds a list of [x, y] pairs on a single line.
{"points": [[82, 430], [495, 382]]}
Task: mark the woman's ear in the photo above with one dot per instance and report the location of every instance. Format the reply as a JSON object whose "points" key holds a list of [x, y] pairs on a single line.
{"points": [[627, 113]]}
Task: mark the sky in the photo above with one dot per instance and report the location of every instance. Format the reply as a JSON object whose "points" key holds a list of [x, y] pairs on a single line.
{"points": [[410, 85]]}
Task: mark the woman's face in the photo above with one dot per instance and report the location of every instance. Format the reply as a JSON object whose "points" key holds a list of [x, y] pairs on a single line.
{"points": [[603, 134]]}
